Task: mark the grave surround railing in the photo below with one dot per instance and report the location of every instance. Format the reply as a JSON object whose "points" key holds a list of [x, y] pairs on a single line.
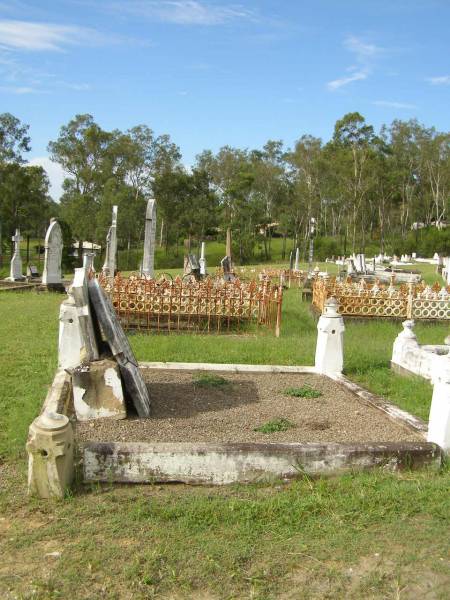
{"points": [[419, 302], [207, 306]]}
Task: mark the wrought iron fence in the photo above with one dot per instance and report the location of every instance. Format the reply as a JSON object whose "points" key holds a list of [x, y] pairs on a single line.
{"points": [[210, 305], [361, 299]]}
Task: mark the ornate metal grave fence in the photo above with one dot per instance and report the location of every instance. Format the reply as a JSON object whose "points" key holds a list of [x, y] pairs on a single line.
{"points": [[361, 299], [210, 305]]}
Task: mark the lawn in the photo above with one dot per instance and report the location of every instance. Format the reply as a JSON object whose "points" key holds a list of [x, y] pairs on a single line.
{"points": [[360, 536]]}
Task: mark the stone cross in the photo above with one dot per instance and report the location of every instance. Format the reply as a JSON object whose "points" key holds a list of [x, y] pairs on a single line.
{"points": [[202, 260], [51, 274], [297, 259], [16, 261], [149, 239], [109, 267]]}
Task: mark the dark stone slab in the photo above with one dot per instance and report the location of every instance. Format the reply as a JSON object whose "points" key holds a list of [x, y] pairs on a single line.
{"points": [[120, 348]]}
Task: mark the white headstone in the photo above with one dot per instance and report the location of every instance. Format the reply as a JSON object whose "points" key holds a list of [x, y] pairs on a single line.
{"points": [[330, 340], [297, 259], [16, 261], [202, 260], [360, 263], [53, 254], [70, 343], [148, 260], [109, 267]]}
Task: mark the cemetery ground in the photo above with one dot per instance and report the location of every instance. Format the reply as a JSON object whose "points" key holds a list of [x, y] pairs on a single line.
{"points": [[367, 535]]}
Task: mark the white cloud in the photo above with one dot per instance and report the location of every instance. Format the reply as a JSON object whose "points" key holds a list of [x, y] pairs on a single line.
{"points": [[389, 104], [441, 80], [27, 35], [364, 55], [361, 49], [18, 89], [185, 12], [55, 174], [338, 83]]}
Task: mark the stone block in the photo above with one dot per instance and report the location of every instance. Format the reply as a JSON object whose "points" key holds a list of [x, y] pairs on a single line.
{"points": [[97, 391]]}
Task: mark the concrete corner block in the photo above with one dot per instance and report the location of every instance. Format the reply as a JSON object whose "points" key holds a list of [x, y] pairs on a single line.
{"points": [[50, 455], [97, 391]]}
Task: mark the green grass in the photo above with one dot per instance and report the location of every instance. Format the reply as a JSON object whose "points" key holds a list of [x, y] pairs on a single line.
{"points": [[210, 380], [304, 392], [368, 535], [280, 424]]}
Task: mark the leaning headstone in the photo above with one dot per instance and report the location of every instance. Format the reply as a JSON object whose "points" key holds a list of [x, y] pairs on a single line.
{"points": [[109, 267], [51, 275], [16, 261], [149, 239], [202, 261], [120, 348], [88, 334]]}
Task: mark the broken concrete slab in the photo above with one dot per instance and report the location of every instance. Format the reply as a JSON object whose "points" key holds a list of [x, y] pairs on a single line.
{"points": [[97, 391]]}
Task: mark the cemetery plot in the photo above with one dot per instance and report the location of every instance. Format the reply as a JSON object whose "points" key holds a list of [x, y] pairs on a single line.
{"points": [[210, 305], [420, 302], [189, 406]]}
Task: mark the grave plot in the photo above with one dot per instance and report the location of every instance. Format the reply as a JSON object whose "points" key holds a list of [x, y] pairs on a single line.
{"points": [[207, 306], [420, 302], [206, 423], [222, 406]]}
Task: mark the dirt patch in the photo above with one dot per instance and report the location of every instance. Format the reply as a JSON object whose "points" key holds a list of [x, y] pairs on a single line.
{"points": [[183, 411]]}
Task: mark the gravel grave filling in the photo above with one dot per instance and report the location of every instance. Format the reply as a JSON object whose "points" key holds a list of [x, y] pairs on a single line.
{"points": [[193, 406]]}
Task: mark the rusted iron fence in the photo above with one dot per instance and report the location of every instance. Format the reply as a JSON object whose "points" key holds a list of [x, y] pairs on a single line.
{"points": [[208, 306], [361, 299]]}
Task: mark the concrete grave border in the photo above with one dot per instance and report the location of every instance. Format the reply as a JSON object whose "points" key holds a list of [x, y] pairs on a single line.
{"points": [[224, 463]]}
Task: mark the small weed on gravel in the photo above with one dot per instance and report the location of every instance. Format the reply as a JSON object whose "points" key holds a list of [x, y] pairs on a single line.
{"points": [[210, 380], [275, 425], [304, 392]]}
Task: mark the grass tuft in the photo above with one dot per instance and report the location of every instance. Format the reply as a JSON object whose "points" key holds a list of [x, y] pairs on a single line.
{"points": [[304, 392], [210, 380], [275, 425]]}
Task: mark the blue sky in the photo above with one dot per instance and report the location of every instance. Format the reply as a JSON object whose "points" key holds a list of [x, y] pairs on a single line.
{"points": [[211, 73]]}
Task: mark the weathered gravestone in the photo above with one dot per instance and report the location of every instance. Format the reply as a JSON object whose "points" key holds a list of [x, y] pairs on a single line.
{"points": [[291, 261], [297, 259], [80, 294], [225, 263], [32, 272], [202, 261], [16, 261], [109, 267], [149, 239], [120, 348], [88, 261], [51, 275]]}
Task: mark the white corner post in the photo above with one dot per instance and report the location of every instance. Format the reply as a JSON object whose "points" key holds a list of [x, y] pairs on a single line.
{"points": [[405, 344], [330, 340], [148, 260], [50, 455], [439, 421]]}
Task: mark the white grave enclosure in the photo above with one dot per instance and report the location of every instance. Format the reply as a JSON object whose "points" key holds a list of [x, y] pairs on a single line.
{"points": [[148, 260], [51, 274], [408, 355]]}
